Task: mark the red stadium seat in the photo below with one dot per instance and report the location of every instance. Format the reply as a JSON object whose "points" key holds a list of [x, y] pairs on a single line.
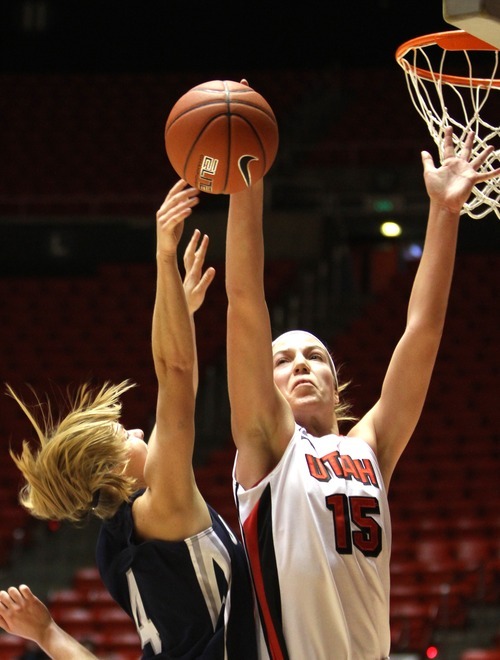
{"points": [[63, 598], [433, 550], [480, 654], [475, 553], [451, 601], [112, 619], [87, 579], [77, 621], [416, 621], [123, 646], [11, 646]]}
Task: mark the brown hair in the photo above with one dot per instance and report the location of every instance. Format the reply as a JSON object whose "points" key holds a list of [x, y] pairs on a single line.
{"points": [[80, 464]]}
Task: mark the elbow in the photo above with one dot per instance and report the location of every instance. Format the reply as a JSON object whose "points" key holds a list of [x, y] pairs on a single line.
{"points": [[244, 295], [424, 340], [428, 327], [237, 291], [178, 367]]}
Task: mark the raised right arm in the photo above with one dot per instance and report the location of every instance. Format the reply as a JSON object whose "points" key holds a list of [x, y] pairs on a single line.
{"points": [[261, 421]]}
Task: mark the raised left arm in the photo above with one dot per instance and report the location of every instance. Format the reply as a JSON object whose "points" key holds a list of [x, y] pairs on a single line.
{"points": [[172, 507], [195, 283], [389, 425]]}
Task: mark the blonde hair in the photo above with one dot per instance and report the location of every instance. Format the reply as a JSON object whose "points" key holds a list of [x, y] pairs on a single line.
{"points": [[80, 464], [343, 407]]}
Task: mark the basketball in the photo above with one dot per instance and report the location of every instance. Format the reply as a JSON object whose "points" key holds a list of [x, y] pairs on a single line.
{"points": [[221, 137]]}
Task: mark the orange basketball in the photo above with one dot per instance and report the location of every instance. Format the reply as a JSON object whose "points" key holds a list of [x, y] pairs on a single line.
{"points": [[221, 136]]}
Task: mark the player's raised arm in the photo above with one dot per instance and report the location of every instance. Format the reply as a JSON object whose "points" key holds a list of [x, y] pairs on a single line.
{"points": [[262, 423], [172, 507], [393, 419]]}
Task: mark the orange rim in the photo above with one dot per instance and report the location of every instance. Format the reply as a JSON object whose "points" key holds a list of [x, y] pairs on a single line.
{"points": [[452, 40]]}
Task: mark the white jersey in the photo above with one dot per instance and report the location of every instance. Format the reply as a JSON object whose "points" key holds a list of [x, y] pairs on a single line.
{"points": [[317, 532]]}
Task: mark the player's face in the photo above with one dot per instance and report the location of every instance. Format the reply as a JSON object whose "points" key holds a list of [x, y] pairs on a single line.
{"points": [[302, 370], [137, 450]]}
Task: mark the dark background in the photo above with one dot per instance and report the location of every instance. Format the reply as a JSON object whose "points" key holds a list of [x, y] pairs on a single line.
{"points": [[162, 35], [72, 129]]}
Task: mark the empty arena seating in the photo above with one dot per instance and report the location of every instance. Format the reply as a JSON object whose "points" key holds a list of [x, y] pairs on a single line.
{"points": [[59, 331], [87, 611]]}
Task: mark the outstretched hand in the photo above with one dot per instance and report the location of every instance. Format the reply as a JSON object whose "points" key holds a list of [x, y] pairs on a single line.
{"points": [[177, 206], [451, 184], [23, 614], [196, 282], [170, 218]]}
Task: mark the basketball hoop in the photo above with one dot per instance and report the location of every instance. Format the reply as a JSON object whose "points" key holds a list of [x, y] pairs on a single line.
{"points": [[464, 95]]}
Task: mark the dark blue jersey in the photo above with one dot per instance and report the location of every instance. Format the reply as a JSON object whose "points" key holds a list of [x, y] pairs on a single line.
{"points": [[189, 599]]}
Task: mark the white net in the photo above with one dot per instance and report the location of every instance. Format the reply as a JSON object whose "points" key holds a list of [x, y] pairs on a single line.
{"points": [[458, 87]]}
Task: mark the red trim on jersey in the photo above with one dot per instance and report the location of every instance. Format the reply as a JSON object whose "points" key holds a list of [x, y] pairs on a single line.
{"points": [[251, 529]]}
